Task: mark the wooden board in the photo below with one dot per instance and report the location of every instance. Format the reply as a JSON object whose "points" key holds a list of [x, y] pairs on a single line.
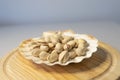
{"points": [[103, 65]]}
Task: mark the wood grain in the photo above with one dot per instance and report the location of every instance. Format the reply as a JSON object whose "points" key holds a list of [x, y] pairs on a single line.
{"points": [[103, 65]]}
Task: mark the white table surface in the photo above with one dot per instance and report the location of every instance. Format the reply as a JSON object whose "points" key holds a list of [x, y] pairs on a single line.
{"points": [[11, 36]]}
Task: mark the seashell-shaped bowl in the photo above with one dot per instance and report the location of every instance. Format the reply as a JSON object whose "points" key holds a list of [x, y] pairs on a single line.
{"points": [[92, 41]]}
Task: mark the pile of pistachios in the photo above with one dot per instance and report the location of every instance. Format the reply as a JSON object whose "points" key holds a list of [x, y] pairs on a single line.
{"points": [[57, 47]]}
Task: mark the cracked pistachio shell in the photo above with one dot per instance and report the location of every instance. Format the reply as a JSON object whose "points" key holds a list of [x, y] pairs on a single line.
{"points": [[51, 45], [36, 52], [58, 47], [53, 56], [81, 52], [44, 48], [43, 55], [69, 45], [66, 39], [55, 39], [64, 57], [82, 43], [72, 54]]}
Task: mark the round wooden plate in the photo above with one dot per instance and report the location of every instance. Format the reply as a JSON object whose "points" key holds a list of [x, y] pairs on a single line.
{"points": [[103, 65]]}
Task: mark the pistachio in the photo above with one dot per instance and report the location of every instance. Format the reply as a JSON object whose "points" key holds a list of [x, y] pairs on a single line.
{"points": [[36, 52], [64, 57], [80, 51], [82, 43], [44, 48], [66, 47], [55, 39], [34, 45], [69, 45], [51, 45], [53, 56], [43, 55], [47, 36], [72, 54], [51, 37], [47, 39], [66, 39], [58, 47]]}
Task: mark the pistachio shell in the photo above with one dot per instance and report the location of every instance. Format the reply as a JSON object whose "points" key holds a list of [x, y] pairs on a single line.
{"points": [[53, 56], [66, 47], [47, 39], [72, 54], [44, 48], [47, 36], [80, 51], [36, 52], [55, 39], [82, 43], [51, 45], [43, 55], [58, 47], [69, 45], [66, 39], [63, 57]]}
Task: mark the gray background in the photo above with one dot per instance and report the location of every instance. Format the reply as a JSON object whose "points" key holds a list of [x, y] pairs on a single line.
{"points": [[58, 11]]}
